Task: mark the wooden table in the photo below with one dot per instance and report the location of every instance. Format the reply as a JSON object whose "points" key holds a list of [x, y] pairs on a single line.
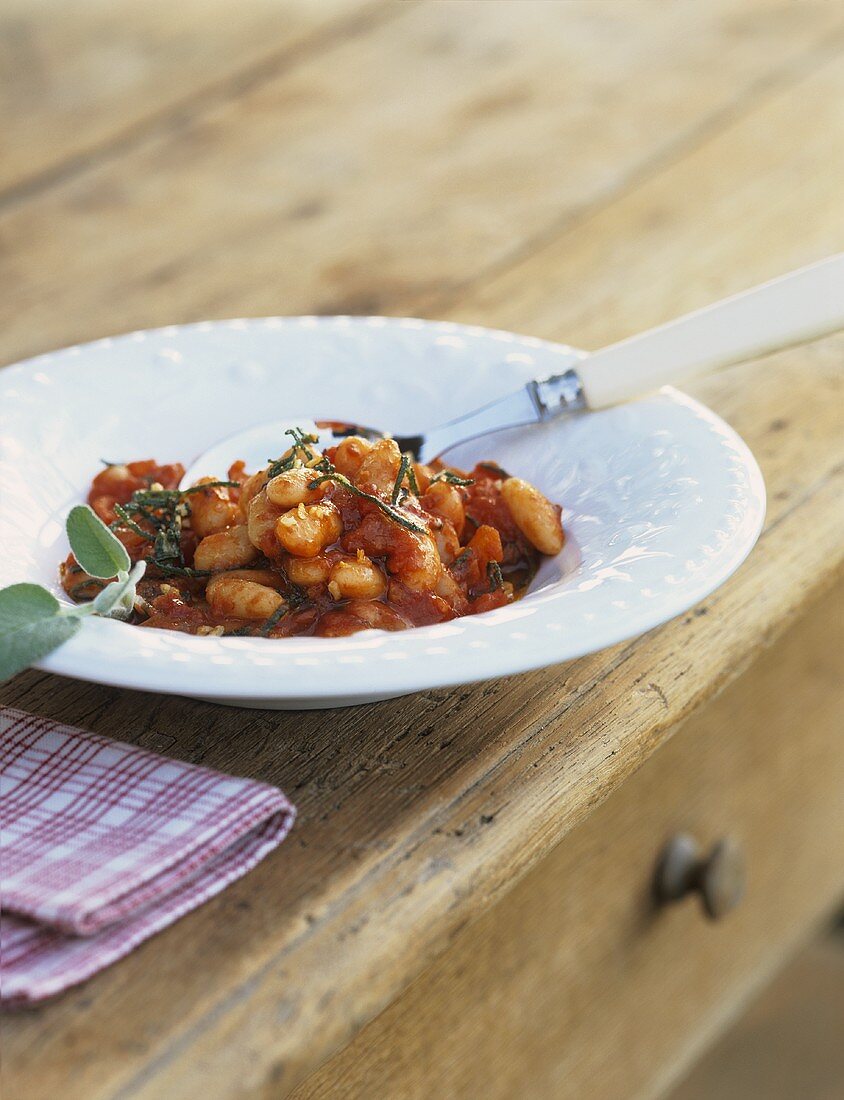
{"points": [[464, 907]]}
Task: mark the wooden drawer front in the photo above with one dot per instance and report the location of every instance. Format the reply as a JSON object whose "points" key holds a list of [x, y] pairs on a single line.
{"points": [[577, 983]]}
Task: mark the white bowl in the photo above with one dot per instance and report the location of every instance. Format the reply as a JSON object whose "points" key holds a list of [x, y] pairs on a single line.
{"points": [[662, 500]]}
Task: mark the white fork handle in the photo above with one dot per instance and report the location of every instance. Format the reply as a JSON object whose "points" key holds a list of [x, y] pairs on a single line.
{"points": [[793, 309]]}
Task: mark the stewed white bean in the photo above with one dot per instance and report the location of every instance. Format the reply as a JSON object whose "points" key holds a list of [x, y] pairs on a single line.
{"points": [[267, 577], [445, 500], [234, 597], [262, 518], [535, 516], [307, 529], [350, 454], [420, 568], [380, 468], [250, 489], [212, 509], [292, 487], [226, 550], [307, 571], [356, 579]]}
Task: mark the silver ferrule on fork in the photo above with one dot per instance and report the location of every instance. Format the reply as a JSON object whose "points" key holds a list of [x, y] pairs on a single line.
{"points": [[557, 394], [534, 402]]}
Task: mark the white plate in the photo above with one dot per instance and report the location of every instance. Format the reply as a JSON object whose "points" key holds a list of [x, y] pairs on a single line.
{"points": [[662, 500]]}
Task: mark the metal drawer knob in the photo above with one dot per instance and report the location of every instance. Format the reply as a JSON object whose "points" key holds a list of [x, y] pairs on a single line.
{"points": [[718, 878]]}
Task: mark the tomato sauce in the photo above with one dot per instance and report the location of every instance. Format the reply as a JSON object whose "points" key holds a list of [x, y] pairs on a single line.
{"points": [[418, 545]]}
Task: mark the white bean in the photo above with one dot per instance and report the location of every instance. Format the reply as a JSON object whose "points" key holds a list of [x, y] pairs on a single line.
{"points": [[535, 516], [307, 571], [306, 530], [226, 550], [211, 510], [444, 500], [241, 599], [292, 487], [356, 579], [350, 454], [260, 576], [262, 518], [250, 489], [380, 468], [417, 564]]}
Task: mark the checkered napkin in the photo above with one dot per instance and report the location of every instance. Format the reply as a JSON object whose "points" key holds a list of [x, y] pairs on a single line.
{"points": [[102, 844]]}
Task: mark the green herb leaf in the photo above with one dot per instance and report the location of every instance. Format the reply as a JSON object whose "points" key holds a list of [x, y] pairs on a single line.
{"points": [[451, 478], [405, 471], [117, 599], [301, 442], [203, 487], [389, 511], [493, 571], [31, 625], [269, 623], [296, 596], [411, 474], [22, 603], [98, 551], [125, 520], [86, 590], [400, 476], [177, 570]]}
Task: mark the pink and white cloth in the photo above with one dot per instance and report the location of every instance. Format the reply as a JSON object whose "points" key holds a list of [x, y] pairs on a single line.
{"points": [[103, 844]]}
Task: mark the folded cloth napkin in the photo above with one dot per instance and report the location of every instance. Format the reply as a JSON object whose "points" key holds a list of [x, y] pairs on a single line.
{"points": [[102, 844]]}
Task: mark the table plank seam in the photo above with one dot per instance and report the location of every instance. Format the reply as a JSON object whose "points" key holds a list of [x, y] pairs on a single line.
{"points": [[175, 115], [777, 80]]}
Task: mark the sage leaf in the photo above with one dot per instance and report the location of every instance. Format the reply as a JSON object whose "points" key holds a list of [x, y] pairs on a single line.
{"points": [[31, 626], [21, 603], [100, 553], [118, 598]]}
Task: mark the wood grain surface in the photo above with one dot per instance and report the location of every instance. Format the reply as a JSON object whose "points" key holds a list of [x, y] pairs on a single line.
{"points": [[81, 84], [788, 1043], [574, 170], [578, 983]]}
